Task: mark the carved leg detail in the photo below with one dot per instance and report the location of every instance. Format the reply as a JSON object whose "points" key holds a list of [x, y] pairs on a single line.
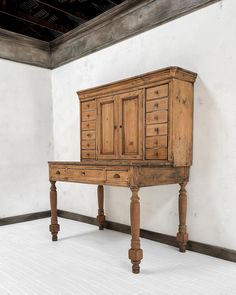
{"points": [[54, 226], [101, 216], [182, 235], [135, 252]]}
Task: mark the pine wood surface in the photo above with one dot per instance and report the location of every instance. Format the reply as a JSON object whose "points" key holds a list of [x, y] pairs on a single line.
{"points": [[134, 133]]}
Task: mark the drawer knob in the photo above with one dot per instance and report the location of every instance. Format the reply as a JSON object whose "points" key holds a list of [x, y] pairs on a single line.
{"points": [[88, 125], [157, 92], [82, 173], [88, 105], [156, 105], [88, 145], [88, 134], [88, 154], [88, 115], [156, 142], [58, 172], [156, 118], [156, 130], [156, 154], [116, 175]]}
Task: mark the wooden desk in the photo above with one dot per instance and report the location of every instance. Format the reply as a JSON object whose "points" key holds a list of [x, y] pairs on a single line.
{"points": [[134, 133], [134, 176]]}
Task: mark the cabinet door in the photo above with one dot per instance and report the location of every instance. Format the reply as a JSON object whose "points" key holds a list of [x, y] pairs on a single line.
{"points": [[107, 128], [131, 125]]}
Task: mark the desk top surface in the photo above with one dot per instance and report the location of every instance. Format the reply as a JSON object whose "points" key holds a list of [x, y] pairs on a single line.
{"points": [[113, 163]]}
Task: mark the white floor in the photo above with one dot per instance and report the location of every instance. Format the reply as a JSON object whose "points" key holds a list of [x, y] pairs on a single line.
{"points": [[86, 261]]}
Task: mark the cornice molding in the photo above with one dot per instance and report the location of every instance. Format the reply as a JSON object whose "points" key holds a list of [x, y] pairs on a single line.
{"points": [[130, 18]]}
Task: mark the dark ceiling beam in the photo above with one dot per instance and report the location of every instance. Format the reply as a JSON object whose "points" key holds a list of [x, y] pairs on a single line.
{"points": [[36, 21], [79, 19]]}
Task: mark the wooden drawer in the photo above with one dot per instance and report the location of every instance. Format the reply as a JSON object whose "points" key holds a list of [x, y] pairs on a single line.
{"points": [[117, 176], [156, 117], [58, 173], [88, 144], [88, 154], [157, 92], [157, 129], [88, 116], [89, 125], [87, 135], [156, 142], [88, 105], [86, 175], [158, 154], [157, 104]]}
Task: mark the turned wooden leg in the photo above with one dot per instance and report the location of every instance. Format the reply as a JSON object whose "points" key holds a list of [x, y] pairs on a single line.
{"points": [[100, 216], [135, 252], [54, 226], [182, 235]]}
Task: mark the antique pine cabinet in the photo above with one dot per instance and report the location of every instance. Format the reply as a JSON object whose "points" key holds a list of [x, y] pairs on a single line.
{"points": [[134, 133]]}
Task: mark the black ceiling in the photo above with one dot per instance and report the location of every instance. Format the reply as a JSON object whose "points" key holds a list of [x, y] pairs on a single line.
{"points": [[49, 19]]}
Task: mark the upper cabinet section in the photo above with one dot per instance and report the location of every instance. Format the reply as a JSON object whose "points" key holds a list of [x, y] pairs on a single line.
{"points": [[147, 118]]}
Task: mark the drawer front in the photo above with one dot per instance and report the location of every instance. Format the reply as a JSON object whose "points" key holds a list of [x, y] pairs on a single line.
{"points": [[88, 144], [88, 105], [84, 175], [117, 176], [58, 173], [156, 142], [157, 129], [157, 104], [158, 154], [157, 92], [88, 154], [89, 125], [87, 135], [88, 115], [156, 117]]}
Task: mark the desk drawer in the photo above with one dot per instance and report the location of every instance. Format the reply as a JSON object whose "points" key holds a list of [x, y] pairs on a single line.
{"points": [[157, 92], [156, 117], [58, 173], [156, 129], [86, 175], [117, 176]]}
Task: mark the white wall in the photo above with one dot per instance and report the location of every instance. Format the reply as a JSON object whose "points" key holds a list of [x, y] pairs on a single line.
{"points": [[204, 42], [26, 142]]}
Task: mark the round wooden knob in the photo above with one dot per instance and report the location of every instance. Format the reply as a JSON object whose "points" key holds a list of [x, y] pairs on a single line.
{"points": [[156, 118], [116, 175], [157, 92], [58, 172], [88, 115], [82, 173], [88, 125], [88, 105], [156, 130], [156, 105], [156, 154], [156, 142], [88, 135], [88, 145]]}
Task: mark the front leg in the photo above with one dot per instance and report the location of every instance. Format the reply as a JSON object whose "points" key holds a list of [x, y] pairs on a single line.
{"points": [[135, 252], [182, 235], [100, 216], [54, 226]]}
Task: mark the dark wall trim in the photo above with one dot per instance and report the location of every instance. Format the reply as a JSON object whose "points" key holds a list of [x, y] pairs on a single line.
{"points": [[25, 217], [19, 48], [215, 251], [128, 19]]}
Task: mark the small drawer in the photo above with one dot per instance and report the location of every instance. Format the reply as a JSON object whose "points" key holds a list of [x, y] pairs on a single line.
{"points": [[88, 144], [157, 92], [88, 154], [117, 176], [88, 116], [157, 129], [158, 154], [89, 125], [88, 105], [87, 135], [157, 104], [156, 142], [86, 175], [58, 173], [156, 117]]}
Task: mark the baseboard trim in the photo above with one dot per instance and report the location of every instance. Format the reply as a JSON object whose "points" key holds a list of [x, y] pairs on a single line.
{"points": [[25, 217], [210, 250]]}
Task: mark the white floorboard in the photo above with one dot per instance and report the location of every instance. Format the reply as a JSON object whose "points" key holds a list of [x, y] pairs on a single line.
{"points": [[86, 261]]}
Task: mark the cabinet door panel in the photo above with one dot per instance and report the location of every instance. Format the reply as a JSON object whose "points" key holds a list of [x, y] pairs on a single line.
{"points": [[107, 147], [130, 125]]}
